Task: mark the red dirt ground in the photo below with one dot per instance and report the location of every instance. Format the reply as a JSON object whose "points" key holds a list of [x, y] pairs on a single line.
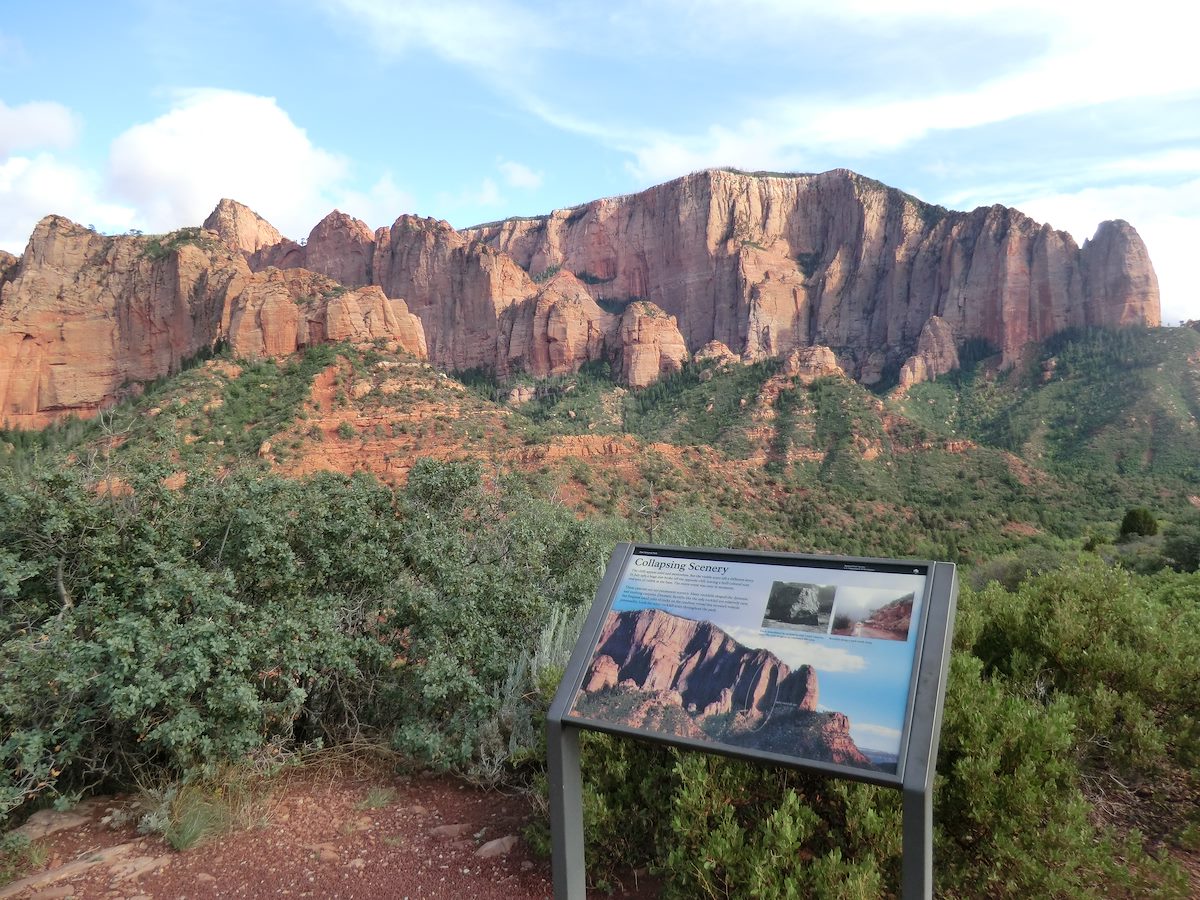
{"points": [[317, 839]]}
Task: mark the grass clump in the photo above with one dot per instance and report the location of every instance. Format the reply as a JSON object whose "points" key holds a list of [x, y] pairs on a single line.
{"points": [[377, 798], [18, 855]]}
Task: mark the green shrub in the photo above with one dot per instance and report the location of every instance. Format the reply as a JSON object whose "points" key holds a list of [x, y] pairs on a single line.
{"points": [[1096, 637], [18, 855], [1049, 688], [1138, 521], [169, 631], [161, 246], [1181, 544]]}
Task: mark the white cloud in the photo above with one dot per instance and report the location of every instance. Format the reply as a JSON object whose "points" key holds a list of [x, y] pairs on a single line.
{"points": [[1075, 69], [32, 187], [381, 204], [520, 176], [214, 144], [495, 37], [472, 199], [171, 172], [35, 126], [795, 652], [869, 734]]}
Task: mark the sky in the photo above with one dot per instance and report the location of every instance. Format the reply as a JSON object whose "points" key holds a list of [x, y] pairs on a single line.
{"points": [[144, 113]]}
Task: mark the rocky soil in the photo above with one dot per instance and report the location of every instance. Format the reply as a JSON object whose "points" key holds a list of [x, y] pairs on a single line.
{"points": [[320, 833]]}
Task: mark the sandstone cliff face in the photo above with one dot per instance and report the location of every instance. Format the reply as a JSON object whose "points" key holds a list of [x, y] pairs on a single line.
{"points": [[936, 354], [717, 261], [1120, 286], [8, 266], [765, 264], [458, 288], [806, 364], [651, 345], [86, 315], [675, 676], [241, 228], [553, 333], [712, 672], [341, 247], [281, 312]]}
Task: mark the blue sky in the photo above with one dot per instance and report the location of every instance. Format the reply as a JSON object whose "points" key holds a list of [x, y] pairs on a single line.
{"points": [[144, 114]]}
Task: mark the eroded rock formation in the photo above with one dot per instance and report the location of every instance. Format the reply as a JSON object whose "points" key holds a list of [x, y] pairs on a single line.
{"points": [[241, 228], [937, 354], [765, 264], [651, 345], [84, 316], [712, 672], [807, 364], [835, 272], [281, 312], [671, 675]]}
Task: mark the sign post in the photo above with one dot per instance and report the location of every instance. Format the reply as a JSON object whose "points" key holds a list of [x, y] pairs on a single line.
{"points": [[834, 665]]}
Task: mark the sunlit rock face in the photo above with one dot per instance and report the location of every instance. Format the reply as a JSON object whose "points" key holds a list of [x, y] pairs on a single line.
{"points": [[752, 266]]}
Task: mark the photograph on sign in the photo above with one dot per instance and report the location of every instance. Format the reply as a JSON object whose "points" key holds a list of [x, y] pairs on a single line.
{"points": [[810, 660]]}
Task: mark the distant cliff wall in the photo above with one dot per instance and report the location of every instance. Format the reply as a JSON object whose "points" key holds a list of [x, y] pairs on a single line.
{"points": [[84, 316], [765, 264], [762, 264]]}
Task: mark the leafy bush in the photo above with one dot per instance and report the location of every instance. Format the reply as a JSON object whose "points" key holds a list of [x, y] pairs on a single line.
{"points": [[1181, 544], [159, 633], [482, 572], [1097, 637], [1049, 688], [153, 635], [164, 245], [1138, 521]]}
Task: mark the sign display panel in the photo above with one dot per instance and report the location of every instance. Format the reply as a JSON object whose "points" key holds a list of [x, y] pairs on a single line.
{"points": [[805, 658]]}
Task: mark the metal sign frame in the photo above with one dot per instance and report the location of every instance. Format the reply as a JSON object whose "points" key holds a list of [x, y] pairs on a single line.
{"points": [[919, 741]]}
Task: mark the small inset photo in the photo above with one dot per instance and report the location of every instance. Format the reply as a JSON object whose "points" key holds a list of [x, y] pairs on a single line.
{"points": [[800, 606], [873, 613]]}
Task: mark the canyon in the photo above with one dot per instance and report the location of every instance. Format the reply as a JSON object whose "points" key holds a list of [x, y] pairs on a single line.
{"points": [[874, 282]]}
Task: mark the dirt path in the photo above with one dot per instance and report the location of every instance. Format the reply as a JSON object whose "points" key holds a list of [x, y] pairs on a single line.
{"points": [[322, 835]]}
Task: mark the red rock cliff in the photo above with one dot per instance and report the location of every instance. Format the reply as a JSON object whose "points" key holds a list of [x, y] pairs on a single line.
{"points": [[712, 672], [764, 264], [83, 316]]}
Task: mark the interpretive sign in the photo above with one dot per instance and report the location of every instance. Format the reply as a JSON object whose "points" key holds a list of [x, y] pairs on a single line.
{"points": [[824, 663]]}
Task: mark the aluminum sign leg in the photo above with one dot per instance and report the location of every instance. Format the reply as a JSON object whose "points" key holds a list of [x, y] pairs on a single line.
{"points": [[917, 867], [566, 812]]}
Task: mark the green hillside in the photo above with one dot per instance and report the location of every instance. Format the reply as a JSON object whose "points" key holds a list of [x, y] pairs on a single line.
{"points": [[253, 557]]}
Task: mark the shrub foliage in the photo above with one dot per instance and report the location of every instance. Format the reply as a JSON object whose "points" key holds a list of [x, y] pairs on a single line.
{"points": [[149, 634], [174, 630]]}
